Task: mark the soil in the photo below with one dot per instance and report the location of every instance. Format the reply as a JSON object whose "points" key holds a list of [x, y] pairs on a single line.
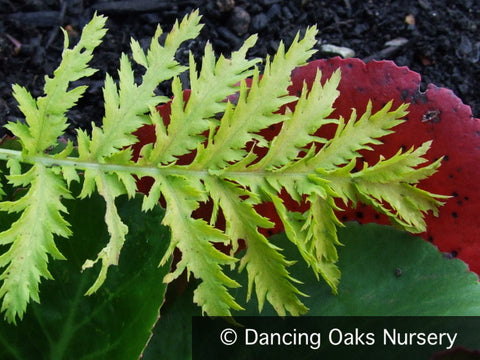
{"points": [[438, 39]]}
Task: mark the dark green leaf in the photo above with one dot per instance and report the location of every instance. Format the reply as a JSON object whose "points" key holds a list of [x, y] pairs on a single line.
{"points": [[385, 272], [172, 336], [115, 322]]}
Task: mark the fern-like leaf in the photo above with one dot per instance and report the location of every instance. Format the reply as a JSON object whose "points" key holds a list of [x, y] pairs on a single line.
{"points": [[45, 117], [218, 123], [124, 114], [195, 238], [31, 237]]}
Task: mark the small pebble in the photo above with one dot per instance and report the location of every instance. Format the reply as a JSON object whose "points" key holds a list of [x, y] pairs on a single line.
{"points": [[338, 50], [274, 12], [287, 13], [396, 42], [225, 5], [239, 21], [425, 4], [228, 36], [410, 19], [468, 51], [259, 22]]}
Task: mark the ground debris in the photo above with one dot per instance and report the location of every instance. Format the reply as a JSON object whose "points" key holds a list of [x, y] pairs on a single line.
{"points": [[437, 39]]}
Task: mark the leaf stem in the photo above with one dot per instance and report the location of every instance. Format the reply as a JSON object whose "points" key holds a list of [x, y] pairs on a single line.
{"points": [[133, 168]]}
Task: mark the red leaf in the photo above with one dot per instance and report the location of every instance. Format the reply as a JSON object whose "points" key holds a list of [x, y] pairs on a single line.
{"points": [[436, 114]]}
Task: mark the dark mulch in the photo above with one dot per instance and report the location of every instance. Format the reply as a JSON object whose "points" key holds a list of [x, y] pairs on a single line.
{"points": [[438, 39]]}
